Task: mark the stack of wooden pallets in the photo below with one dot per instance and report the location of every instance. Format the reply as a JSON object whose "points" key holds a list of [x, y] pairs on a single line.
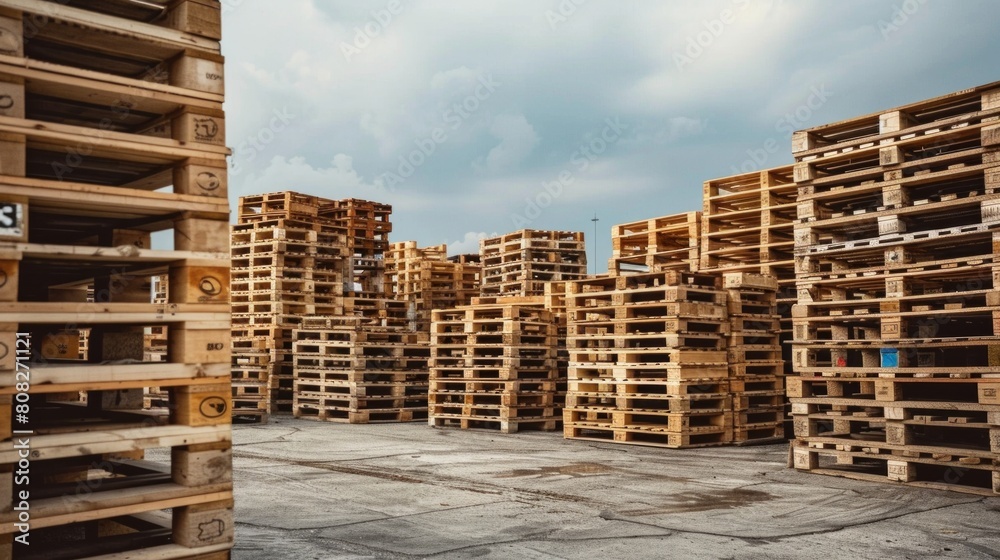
{"points": [[297, 256], [472, 272], [365, 290], [554, 300], [747, 226], [756, 370], [656, 244], [288, 263], [897, 330], [379, 311], [349, 371], [368, 227], [111, 129], [520, 263], [402, 270], [493, 366], [425, 279], [648, 360], [748, 221]]}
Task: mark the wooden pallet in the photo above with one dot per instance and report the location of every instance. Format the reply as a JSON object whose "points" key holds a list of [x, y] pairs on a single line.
{"points": [[759, 434], [521, 263], [910, 146], [664, 243], [523, 399], [649, 402], [426, 280], [956, 470], [343, 367], [755, 355], [943, 424], [648, 437], [506, 348], [503, 425], [871, 127], [747, 223], [313, 412]]}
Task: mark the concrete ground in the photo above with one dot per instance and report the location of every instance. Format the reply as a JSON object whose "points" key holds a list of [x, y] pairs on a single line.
{"points": [[308, 490]]}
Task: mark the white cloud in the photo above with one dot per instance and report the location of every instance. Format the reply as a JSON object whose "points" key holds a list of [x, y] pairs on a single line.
{"points": [[469, 243], [665, 131], [340, 180], [454, 80], [557, 85], [517, 140], [679, 127]]}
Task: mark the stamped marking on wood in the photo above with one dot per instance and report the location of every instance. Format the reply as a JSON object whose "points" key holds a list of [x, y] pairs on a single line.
{"points": [[11, 219], [210, 286], [213, 407], [208, 181]]}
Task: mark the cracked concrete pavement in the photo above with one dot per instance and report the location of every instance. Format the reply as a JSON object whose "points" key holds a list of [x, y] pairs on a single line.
{"points": [[309, 490]]}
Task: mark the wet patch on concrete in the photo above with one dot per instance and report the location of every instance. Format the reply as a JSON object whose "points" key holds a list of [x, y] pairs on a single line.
{"points": [[575, 470], [687, 502]]}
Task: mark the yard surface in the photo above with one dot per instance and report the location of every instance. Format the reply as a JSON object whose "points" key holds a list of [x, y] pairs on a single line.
{"points": [[310, 490]]}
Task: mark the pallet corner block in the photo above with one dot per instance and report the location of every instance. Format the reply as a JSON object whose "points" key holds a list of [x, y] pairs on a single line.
{"points": [[202, 405]]}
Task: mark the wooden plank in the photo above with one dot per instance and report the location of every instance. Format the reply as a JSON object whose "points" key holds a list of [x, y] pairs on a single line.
{"points": [[145, 33], [199, 316], [112, 202], [108, 377], [109, 144], [53, 512], [104, 89], [943, 100], [99, 442], [172, 552], [134, 255]]}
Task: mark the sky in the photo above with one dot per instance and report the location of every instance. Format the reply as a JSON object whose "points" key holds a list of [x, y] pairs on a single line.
{"points": [[481, 117]]}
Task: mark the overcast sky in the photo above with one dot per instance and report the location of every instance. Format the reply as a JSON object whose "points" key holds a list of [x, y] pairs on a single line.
{"points": [[477, 117]]}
